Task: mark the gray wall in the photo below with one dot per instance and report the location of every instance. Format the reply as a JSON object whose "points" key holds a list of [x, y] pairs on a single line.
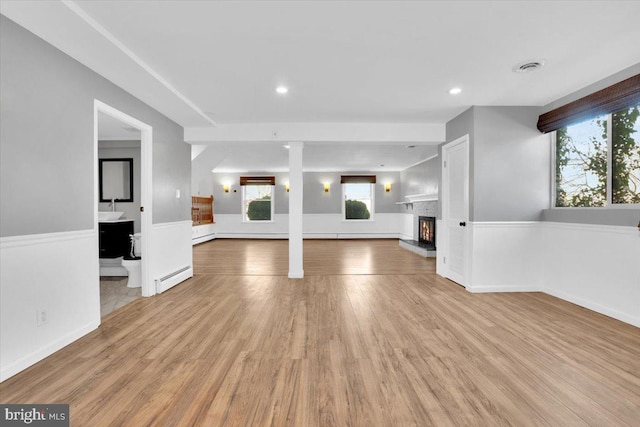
{"points": [[423, 178], [315, 200], [46, 108], [110, 150], [511, 165]]}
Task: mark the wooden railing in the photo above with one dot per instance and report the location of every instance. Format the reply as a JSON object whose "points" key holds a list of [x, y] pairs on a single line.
{"points": [[202, 210]]}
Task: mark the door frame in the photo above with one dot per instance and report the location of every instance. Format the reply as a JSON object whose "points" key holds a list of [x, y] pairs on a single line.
{"points": [[444, 229], [146, 184]]}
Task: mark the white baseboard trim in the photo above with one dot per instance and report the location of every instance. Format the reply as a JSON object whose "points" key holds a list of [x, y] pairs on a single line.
{"points": [[252, 235], [203, 239], [163, 285], [38, 355], [307, 236], [498, 289], [594, 306]]}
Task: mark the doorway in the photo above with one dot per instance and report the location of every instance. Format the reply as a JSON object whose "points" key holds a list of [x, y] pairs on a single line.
{"points": [[455, 210], [145, 135]]}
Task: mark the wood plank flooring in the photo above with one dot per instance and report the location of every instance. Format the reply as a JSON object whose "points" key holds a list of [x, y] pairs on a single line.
{"points": [[340, 349]]}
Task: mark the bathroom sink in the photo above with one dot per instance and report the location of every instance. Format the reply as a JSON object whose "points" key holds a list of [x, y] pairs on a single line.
{"points": [[109, 216]]}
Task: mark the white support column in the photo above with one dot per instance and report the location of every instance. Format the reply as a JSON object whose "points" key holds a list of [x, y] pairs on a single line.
{"points": [[296, 270]]}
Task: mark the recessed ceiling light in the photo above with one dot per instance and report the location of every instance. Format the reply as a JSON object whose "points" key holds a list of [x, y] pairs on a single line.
{"points": [[455, 91], [528, 66], [282, 90], [286, 146]]}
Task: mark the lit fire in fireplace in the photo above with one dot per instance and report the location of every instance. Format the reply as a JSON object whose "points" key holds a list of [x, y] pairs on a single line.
{"points": [[427, 231]]}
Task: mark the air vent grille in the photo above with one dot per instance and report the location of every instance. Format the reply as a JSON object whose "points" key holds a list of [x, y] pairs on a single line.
{"points": [[528, 66]]}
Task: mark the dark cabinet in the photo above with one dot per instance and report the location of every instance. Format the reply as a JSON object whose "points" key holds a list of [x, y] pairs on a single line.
{"points": [[114, 238]]}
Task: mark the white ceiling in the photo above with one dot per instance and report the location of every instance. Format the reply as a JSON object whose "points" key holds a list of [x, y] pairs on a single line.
{"points": [[200, 62], [110, 129]]}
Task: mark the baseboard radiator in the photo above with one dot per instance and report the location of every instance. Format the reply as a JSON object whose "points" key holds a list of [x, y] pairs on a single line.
{"points": [[172, 279]]}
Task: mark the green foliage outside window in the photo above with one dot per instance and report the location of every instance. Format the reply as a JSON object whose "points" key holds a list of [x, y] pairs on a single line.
{"points": [[260, 209], [625, 156], [355, 209]]}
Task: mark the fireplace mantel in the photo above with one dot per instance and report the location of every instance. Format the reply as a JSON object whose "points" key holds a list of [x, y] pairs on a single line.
{"points": [[411, 199]]}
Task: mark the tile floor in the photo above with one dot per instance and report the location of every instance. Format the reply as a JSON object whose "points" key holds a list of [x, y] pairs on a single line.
{"points": [[115, 294]]}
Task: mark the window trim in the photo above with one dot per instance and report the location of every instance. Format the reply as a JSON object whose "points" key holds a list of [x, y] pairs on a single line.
{"points": [[242, 204], [609, 195], [372, 187]]}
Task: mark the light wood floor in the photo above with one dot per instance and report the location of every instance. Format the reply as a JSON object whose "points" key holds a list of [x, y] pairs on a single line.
{"points": [[340, 349]]}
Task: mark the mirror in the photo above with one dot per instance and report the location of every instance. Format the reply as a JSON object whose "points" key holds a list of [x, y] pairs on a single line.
{"points": [[116, 180]]}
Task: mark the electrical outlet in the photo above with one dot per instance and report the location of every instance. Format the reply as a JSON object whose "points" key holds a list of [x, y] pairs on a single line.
{"points": [[42, 316]]}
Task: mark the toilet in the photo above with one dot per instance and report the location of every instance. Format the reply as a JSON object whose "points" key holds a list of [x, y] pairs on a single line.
{"points": [[133, 262]]}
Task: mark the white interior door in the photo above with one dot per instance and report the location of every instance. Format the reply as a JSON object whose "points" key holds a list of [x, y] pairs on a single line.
{"points": [[455, 208]]}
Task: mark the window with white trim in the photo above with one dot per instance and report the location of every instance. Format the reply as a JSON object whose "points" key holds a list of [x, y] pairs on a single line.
{"points": [[358, 196], [597, 161], [257, 198]]}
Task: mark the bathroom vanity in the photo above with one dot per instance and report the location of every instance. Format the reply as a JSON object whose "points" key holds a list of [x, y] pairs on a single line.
{"points": [[114, 243]]}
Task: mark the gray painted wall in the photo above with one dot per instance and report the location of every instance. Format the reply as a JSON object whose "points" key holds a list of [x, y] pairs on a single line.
{"points": [[46, 109], [131, 209], [315, 200], [511, 165], [423, 178]]}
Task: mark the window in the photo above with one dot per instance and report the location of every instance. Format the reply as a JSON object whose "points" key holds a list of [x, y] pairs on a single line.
{"points": [[598, 161], [257, 198], [358, 196]]}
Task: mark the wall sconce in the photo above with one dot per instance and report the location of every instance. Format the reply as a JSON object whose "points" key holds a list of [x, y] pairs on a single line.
{"points": [[387, 187], [286, 187], [225, 188], [326, 187]]}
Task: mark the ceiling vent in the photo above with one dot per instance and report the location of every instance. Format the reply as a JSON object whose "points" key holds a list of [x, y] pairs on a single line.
{"points": [[528, 66]]}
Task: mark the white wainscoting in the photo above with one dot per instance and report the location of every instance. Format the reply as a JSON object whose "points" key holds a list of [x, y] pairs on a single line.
{"points": [[593, 266], [505, 257], [203, 233], [407, 224], [333, 226], [56, 272], [315, 226], [171, 250], [231, 226]]}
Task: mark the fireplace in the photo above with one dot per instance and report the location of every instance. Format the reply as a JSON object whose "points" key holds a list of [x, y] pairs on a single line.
{"points": [[427, 231]]}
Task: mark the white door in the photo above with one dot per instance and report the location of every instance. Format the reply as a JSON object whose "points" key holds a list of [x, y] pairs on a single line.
{"points": [[455, 208]]}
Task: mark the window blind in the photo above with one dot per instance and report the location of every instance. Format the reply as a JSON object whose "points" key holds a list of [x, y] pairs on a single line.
{"points": [[257, 180], [614, 98], [357, 179]]}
